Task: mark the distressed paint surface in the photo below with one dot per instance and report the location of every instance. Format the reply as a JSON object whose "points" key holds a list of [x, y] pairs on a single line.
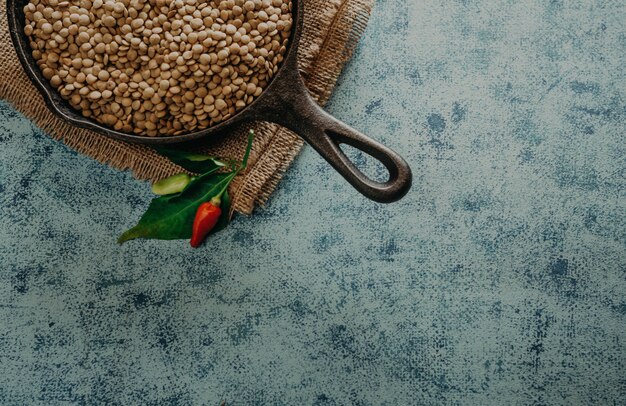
{"points": [[500, 279]]}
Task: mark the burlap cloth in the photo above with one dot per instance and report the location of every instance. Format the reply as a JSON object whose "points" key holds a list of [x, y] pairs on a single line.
{"points": [[332, 29]]}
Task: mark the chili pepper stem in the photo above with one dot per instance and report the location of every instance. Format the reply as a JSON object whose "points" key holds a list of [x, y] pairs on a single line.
{"points": [[217, 200]]}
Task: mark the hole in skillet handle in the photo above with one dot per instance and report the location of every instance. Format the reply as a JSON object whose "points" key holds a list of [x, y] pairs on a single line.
{"points": [[367, 164], [398, 177]]}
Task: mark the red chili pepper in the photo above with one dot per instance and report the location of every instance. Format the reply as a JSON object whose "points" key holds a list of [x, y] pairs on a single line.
{"points": [[207, 216]]}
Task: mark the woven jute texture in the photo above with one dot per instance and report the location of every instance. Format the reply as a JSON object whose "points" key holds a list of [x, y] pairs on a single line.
{"points": [[332, 29]]}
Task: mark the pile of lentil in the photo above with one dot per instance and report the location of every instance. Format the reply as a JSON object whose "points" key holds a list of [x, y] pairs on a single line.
{"points": [[158, 67]]}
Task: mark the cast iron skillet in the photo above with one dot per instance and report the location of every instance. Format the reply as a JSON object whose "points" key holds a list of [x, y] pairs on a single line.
{"points": [[286, 101]]}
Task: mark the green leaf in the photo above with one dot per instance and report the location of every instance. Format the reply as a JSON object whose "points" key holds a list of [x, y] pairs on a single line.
{"points": [[171, 217], [195, 163]]}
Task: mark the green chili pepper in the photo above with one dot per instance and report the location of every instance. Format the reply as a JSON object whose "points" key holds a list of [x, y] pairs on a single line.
{"points": [[172, 185]]}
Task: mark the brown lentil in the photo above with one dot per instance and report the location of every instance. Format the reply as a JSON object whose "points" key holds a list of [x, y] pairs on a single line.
{"points": [[158, 67]]}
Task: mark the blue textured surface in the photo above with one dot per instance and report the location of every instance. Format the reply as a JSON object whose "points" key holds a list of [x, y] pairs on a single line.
{"points": [[500, 279]]}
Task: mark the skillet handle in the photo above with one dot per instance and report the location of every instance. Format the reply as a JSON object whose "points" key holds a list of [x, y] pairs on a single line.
{"points": [[295, 109]]}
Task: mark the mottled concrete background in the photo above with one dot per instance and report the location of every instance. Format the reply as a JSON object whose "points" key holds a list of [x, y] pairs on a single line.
{"points": [[500, 279]]}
